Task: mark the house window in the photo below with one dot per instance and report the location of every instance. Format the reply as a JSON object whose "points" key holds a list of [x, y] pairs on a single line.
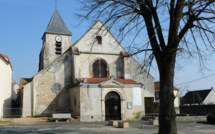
{"points": [[100, 68], [157, 96], [99, 39]]}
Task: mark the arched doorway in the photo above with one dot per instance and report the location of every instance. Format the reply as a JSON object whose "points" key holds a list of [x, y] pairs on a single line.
{"points": [[112, 106]]}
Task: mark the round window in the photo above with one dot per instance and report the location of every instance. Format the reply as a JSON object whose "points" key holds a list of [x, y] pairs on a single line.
{"points": [[56, 87]]}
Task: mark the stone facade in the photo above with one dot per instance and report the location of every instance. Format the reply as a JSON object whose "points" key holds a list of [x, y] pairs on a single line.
{"points": [[140, 75], [90, 100], [119, 65], [50, 87], [110, 50], [68, 83], [47, 54]]}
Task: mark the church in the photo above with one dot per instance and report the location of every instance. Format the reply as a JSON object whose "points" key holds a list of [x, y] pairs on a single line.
{"points": [[95, 78]]}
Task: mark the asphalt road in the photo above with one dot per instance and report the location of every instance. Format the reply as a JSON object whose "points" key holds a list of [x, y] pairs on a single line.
{"points": [[136, 127]]}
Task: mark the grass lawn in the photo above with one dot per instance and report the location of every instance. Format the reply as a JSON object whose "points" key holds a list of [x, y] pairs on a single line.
{"points": [[6, 120]]}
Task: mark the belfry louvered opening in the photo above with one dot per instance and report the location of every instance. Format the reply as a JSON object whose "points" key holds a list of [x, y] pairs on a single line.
{"points": [[58, 48]]}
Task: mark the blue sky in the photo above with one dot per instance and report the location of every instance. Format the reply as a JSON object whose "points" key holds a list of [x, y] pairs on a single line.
{"points": [[23, 23]]}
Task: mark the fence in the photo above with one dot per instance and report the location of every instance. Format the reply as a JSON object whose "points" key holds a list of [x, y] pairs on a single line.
{"points": [[202, 109], [11, 112]]}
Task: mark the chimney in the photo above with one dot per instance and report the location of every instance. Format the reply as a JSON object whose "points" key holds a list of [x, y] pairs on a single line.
{"points": [[85, 80], [212, 88]]}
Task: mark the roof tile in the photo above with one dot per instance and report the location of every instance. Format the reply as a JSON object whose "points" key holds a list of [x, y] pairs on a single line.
{"points": [[157, 86], [7, 58], [100, 80], [126, 81]]}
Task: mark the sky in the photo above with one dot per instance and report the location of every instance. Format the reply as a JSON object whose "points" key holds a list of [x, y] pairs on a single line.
{"points": [[23, 22]]}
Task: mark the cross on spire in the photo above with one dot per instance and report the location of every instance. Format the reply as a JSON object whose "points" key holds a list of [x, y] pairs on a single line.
{"points": [[55, 4]]}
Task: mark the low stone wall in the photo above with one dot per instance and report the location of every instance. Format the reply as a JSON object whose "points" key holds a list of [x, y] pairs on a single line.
{"points": [[29, 119], [191, 118], [196, 109], [180, 118]]}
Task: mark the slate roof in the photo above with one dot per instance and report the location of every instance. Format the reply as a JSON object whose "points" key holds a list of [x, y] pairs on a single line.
{"points": [[157, 86], [57, 25], [189, 97], [24, 81], [7, 58], [100, 80]]}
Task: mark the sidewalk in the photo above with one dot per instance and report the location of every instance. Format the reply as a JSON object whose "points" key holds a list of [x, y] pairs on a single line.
{"points": [[76, 127]]}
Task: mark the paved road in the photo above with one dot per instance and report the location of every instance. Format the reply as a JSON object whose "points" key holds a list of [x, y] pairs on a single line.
{"points": [[136, 127]]}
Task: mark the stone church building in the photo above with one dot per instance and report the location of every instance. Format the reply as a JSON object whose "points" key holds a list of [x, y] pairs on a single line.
{"points": [[95, 78]]}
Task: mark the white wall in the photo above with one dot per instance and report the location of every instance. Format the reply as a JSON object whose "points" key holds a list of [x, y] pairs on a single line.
{"points": [[210, 98], [5, 87], [177, 100], [90, 104], [110, 50], [88, 42], [14, 89], [27, 100], [83, 64]]}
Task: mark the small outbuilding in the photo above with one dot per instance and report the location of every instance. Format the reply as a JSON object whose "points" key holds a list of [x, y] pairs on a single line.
{"points": [[205, 96]]}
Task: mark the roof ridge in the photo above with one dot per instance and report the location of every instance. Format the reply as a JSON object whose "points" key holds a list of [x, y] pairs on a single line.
{"points": [[200, 90]]}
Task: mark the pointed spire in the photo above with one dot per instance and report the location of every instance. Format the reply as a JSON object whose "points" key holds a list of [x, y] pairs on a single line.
{"points": [[57, 25]]}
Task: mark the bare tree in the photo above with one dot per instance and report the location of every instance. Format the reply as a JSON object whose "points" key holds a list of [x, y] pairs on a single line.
{"points": [[172, 26]]}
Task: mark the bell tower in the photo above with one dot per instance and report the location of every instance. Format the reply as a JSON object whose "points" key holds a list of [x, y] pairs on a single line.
{"points": [[56, 40]]}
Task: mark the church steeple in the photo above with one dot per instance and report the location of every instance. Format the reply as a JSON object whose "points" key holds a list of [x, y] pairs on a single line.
{"points": [[56, 40], [57, 25]]}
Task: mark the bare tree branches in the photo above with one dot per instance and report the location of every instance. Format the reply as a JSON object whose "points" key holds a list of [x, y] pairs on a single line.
{"points": [[186, 14], [170, 27]]}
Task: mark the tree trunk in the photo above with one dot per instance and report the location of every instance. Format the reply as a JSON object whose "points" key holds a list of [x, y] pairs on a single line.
{"points": [[167, 115]]}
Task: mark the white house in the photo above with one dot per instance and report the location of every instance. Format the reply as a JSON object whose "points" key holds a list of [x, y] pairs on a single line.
{"points": [[5, 86], [175, 91], [205, 96]]}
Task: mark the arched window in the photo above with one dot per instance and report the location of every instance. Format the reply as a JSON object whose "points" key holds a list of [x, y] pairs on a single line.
{"points": [[100, 68]]}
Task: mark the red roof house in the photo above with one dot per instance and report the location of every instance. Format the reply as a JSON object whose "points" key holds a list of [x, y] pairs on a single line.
{"points": [[7, 58]]}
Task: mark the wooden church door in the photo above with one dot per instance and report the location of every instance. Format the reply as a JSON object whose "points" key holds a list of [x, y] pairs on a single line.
{"points": [[112, 106]]}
